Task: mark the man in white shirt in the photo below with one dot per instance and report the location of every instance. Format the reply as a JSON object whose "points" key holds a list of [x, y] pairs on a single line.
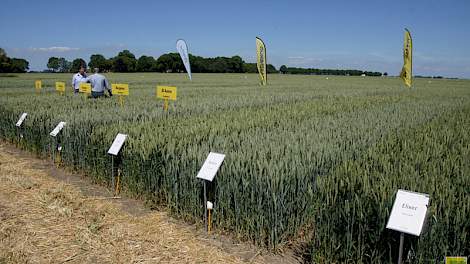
{"points": [[78, 78], [99, 83]]}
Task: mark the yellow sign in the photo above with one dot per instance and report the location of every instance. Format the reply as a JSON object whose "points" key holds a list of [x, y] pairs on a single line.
{"points": [[85, 88], [38, 84], [166, 92], [120, 88], [456, 260], [60, 86]]}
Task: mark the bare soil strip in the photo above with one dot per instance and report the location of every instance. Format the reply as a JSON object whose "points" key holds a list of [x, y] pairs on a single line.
{"points": [[48, 215]]}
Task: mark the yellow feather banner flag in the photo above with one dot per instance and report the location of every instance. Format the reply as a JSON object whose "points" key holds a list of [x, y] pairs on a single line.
{"points": [[261, 60], [407, 70]]}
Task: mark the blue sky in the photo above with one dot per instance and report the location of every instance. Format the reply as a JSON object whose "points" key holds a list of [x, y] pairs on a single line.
{"points": [[365, 35]]}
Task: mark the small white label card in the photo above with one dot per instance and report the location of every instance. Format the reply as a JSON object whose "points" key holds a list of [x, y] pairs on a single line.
{"points": [[117, 144], [408, 212], [22, 118], [57, 129], [211, 166]]}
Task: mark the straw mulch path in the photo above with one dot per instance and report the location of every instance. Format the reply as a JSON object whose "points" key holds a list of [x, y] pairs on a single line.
{"points": [[43, 220]]}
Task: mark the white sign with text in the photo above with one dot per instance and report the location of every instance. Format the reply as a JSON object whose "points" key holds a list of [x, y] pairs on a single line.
{"points": [[408, 212], [117, 144], [57, 129], [22, 118], [211, 166]]}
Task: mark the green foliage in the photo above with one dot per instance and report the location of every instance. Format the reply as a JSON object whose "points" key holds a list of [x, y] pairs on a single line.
{"points": [[293, 70], [59, 64], [12, 65], [99, 61], [307, 159], [77, 64], [125, 61], [18, 65], [146, 64], [53, 63]]}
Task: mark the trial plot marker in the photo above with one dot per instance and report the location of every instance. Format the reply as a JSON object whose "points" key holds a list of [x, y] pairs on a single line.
{"points": [[21, 120], [38, 85], [117, 144], [207, 173], [60, 87], [85, 88], [166, 93], [57, 129], [408, 215], [120, 89], [57, 143], [114, 152], [211, 166]]}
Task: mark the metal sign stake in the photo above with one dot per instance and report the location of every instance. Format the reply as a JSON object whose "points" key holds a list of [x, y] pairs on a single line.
{"points": [[112, 171], [400, 250], [205, 206]]}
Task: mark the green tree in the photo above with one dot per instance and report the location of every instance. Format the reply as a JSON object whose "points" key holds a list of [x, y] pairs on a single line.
{"points": [[236, 64], [165, 63], [125, 61], [64, 65], [283, 69], [99, 61], [250, 68], [146, 64], [77, 63], [4, 61], [19, 65], [53, 63], [12, 64], [271, 68]]}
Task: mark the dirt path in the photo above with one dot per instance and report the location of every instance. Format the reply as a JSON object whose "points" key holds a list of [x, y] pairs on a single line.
{"points": [[50, 216]]}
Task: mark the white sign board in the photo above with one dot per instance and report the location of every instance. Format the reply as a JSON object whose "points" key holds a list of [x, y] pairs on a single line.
{"points": [[117, 144], [22, 118], [408, 212], [57, 129], [211, 166]]}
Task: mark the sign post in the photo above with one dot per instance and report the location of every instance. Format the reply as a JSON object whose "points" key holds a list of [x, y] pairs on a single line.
{"points": [[38, 86], [408, 215], [120, 89], [85, 88], [60, 87], [114, 152], [20, 127], [166, 93], [55, 134], [207, 173]]}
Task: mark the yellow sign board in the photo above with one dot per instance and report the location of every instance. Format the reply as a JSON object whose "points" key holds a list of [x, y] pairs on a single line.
{"points": [[120, 88], [166, 92], [38, 84], [85, 88], [60, 86], [456, 260]]}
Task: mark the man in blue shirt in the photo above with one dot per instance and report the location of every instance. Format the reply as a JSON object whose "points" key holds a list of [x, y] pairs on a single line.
{"points": [[99, 84], [79, 77]]}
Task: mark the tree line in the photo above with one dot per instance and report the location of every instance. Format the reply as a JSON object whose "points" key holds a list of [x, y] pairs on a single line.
{"points": [[14, 65], [311, 71], [125, 61]]}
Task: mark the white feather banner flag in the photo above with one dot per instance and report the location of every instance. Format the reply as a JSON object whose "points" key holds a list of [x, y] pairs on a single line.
{"points": [[183, 51]]}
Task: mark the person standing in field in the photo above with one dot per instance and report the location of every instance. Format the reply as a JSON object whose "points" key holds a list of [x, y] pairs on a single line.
{"points": [[99, 84], [79, 77]]}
